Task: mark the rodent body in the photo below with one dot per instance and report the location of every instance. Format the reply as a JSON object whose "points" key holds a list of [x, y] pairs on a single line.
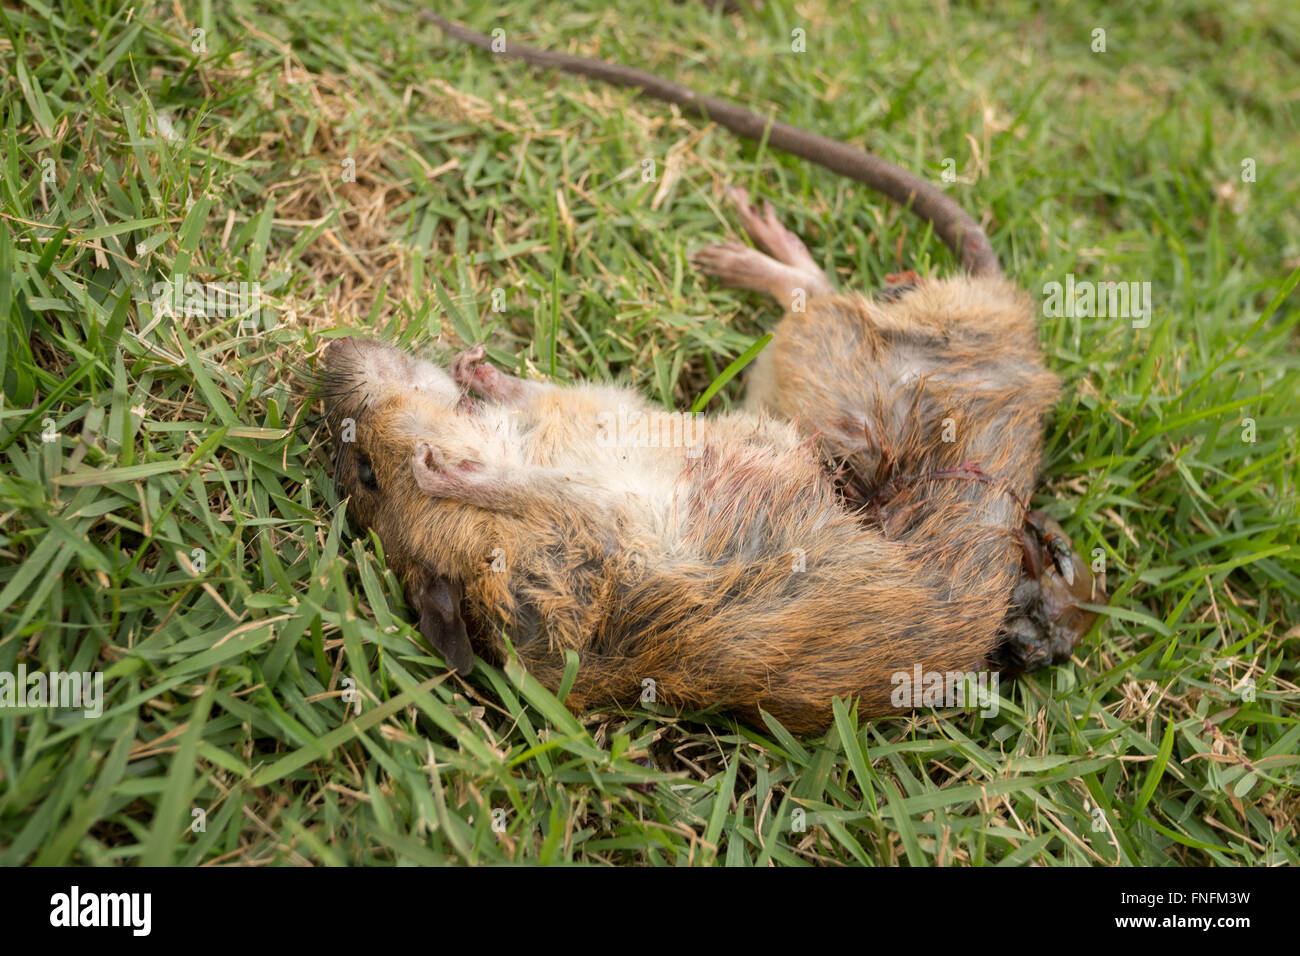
{"points": [[862, 517], [725, 568]]}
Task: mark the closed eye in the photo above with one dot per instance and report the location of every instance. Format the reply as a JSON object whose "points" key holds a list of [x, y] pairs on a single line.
{"points": [[365, 473]]}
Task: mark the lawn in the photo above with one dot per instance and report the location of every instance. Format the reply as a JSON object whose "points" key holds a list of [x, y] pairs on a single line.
{"points": [[167, 517]]}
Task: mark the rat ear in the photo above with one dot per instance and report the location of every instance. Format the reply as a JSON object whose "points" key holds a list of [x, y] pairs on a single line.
{"points": [[436, 600]]}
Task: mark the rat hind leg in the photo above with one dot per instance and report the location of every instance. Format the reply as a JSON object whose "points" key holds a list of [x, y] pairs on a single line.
{"points": [[779, 242], [743, 267], [787, 272]]}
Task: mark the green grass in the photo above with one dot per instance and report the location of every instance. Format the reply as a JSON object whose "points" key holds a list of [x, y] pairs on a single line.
{"points": [[225, 687]]}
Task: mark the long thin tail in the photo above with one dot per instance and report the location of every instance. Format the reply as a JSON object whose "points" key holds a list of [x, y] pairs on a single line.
{"points": [[956, 227]]}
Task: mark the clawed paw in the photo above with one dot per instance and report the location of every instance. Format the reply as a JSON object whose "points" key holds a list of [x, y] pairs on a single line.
{"points": [[731, 261], [437, 476], [768, 231], [470, 370], [466, 364]]}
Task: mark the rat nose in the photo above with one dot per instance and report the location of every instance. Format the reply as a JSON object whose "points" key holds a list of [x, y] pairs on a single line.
{"points": [[341, 349]]}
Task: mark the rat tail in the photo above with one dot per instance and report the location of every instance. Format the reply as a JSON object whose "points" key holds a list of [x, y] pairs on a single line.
{"points": [[956, 227]]}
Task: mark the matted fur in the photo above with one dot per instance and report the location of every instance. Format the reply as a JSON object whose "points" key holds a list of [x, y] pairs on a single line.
{"points": [[730, 573]]}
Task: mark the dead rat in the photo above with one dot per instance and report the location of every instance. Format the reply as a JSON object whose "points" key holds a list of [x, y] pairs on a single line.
{"points": [[732, 570], [709, 559]]}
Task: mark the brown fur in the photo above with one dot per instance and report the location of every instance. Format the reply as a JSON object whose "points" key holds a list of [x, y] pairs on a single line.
{"points": [[706, 596], [931, 381], [652, 564]]}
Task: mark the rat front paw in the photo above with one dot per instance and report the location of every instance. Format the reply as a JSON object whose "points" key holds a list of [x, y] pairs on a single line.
{"points": [[437, 477], [464, 366], [470, 370]]}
